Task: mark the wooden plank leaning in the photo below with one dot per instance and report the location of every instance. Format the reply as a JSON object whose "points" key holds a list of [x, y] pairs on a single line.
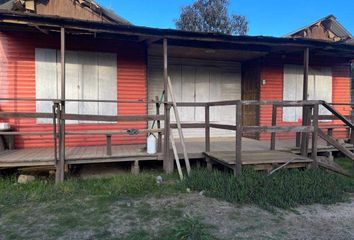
{"points": [[178, 121], [175, 153]]}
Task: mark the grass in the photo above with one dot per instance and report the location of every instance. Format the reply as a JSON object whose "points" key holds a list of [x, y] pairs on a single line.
{"points": [[97, 208], [284, 189], [121, 185]]}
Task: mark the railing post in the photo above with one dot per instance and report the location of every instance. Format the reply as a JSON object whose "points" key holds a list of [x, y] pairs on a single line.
{"points": [[274, 123], [55, 135], [159, 134], [305, 136], [315, 133], [352, 129], [207, 128], [238, 150], [207, 137]]}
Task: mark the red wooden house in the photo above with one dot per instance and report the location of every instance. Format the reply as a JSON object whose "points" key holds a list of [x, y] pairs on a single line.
{"points": [[107, 58]]}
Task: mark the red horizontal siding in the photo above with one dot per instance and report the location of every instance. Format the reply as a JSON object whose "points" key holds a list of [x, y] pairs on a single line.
{"points": [[273, 90], [18, 80]]}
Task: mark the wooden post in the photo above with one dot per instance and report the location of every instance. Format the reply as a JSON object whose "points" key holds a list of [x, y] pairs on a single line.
{"points": [[60, 166], [306, 121], [305, 110], [109, 144], [306, 74], [55, 136], [315, 134], [207, 128], [352, 129], [298, 139], [329, 133], [159, 134], [238, 164], [167, 161], [274, 123]]}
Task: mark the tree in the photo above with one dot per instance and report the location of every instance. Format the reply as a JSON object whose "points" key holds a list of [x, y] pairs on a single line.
{"points": [[211, 16]]}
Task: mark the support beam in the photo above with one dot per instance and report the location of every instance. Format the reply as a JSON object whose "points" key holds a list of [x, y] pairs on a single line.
{"points": [[167, 161], [306, 74], [305, 109], [238, 164], [59, 177], [274, 123], [207, 129], [315, 134]]}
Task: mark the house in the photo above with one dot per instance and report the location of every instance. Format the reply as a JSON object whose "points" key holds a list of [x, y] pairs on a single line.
{"points": [[107, 58]]}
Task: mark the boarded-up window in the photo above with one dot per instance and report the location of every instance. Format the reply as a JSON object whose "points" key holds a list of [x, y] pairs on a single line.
{"points": [[319, 88], [89, 76]]}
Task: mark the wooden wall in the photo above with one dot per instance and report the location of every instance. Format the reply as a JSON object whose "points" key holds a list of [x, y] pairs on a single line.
{"points": [[18, 80], [67, 8], [272, 71]]}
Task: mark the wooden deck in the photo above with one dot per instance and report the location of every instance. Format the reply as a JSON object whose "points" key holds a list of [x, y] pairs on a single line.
{"points": [[75, 155], [254, 152], [262, 160]]}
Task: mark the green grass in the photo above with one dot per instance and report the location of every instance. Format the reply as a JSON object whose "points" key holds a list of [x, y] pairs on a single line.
{"points": [[284, 189], [121, 185], [42, 209], [347, 164]]}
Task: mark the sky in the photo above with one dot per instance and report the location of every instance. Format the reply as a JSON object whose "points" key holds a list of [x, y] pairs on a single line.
{"points": [[266, 17]]}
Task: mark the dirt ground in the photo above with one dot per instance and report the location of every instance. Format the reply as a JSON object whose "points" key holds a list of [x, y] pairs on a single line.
{"points": [[115, 220]]}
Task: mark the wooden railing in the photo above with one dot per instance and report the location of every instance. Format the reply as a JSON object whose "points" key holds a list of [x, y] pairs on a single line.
{"points": [[59, 118], [240, 129]]}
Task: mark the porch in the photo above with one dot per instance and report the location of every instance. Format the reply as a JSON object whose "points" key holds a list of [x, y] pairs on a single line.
{"points": [[255, 152]]}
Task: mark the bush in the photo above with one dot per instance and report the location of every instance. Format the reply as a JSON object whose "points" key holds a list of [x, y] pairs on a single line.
{"points": [[283, 189]]}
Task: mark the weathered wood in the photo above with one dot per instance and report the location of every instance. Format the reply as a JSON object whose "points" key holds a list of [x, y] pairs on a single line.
{"points": [[315, 134], [223, 126], [189, 125], [274, 123], [207, 128], [175, 152], [178, 121], [59, 177], [167, 163], [270, 129], [112, 132], [298, 139], [238, 162], [306, 74], [106, 118], [338, 114], [159, 135], [58, 100], [25, 115], [306, 119], [334, 167], [334, 143], [352, 129], [190, 104], [258, 157], [281, 103], [109, 144]]}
